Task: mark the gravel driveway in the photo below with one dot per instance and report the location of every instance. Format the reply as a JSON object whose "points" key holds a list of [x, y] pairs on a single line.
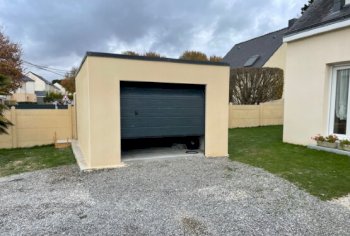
{"points": [[191, 196]]}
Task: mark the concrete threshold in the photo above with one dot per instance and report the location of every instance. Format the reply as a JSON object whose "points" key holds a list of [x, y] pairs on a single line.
{"points": [[332, 150], [158, 154]]}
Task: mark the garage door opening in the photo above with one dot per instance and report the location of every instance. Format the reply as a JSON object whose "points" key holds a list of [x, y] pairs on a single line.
{"points": [[161, 120]]}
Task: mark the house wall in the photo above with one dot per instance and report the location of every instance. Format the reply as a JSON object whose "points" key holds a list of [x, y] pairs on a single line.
{"points": [[30, 87], [307, 87], [37, 127], [61, 90], [39, 84], [278, 59], [99, 114], [25, 93], [23, 97], [27, 87]]}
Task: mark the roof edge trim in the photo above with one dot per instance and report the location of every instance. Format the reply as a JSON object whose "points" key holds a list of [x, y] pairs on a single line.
{"points": [[316, 31]]}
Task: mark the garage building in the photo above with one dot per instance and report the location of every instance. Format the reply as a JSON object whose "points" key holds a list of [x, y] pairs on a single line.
{"points": [[133, 97]]}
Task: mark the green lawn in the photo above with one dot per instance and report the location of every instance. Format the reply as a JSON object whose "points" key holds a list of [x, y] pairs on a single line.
{"points": [[15, 161], [322, 174]]}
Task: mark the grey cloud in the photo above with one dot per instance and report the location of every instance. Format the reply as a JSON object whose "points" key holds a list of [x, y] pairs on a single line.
{"points": [[58, 33]]}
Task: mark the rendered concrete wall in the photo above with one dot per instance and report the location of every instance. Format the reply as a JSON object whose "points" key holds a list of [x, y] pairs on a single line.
{"points": [[270, 113], [37, 127], [99, 129], [82, 101], [278, 59], [307, 83]]}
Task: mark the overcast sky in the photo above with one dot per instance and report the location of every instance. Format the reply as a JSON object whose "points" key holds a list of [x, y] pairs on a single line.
{"points": [[57, 33]]}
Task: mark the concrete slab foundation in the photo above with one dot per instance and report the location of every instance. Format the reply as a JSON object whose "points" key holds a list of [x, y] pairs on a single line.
{"points": [[159, 153]]}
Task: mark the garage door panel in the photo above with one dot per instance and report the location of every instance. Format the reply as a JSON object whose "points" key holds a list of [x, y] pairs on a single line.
{"points": [[151, 132], [139, 102], [162, 122], [161, 110]]}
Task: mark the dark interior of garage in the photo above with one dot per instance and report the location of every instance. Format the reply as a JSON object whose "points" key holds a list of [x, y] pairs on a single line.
{"points": [[158, 118]]}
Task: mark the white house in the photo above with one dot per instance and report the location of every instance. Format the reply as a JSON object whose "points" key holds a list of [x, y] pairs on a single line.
{"points": [[25, 93], [42, 84], [61, 89]]}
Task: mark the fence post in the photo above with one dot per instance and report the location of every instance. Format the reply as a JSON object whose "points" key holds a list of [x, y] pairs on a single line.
{"points": [[261, 114], [70, 114], [14, 127]]}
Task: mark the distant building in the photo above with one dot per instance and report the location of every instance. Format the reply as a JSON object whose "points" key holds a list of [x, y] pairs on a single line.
{"points": [[42, 86], [61, 89], [264, 51], [26, 92]]}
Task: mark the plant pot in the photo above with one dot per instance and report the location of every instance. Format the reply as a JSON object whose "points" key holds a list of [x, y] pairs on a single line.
{"points": [[345, 147], [327, 144]]}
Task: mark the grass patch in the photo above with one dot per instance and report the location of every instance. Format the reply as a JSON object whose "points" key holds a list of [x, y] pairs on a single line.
{"points": [[15, 161], [322, 174]]}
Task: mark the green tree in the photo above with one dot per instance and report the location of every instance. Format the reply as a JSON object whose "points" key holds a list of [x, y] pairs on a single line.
{"points": [[5, 83], [52, 97], [194, 56], [252, 86], [306, 6]]}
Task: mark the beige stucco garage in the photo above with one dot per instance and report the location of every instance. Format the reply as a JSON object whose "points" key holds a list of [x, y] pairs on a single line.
{"points": [[98, 104]]}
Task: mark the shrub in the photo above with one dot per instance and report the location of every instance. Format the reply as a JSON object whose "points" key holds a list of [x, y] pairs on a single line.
{"points": [[251, 86], [52, 97]]}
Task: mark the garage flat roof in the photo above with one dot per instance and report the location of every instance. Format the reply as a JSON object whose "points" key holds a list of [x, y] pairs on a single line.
{"points": [[144, 58]]}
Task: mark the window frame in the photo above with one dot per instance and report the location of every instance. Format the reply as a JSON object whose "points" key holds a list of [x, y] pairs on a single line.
{"points": [[333, 89]]}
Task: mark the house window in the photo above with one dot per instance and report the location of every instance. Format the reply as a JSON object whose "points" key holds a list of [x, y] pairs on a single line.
{"points": [[340, 102]]}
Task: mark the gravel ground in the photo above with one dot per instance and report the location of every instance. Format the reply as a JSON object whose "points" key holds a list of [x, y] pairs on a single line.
{"points": [[190, 196], [343, 201]]}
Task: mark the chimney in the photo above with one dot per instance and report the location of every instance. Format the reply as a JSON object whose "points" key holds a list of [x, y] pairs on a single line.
{"points": [[291, 22], [338, 5]]}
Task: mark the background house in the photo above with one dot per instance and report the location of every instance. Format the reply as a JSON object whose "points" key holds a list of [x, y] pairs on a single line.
{"points": [[318, 73], [60, 88], [42, 86], [25, 93], [265, 51]]}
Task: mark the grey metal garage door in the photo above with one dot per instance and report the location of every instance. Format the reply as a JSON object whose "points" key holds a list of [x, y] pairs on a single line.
{"points": [[153, 110]]}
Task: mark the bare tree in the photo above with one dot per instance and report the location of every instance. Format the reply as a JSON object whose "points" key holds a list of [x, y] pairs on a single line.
{"points": [[215, 58], [130, 53], [249, 86], [194, 55], [152, 54]]}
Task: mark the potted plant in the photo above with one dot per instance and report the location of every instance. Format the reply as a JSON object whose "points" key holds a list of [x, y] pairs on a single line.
{"points": [[345, 145], [329, 141]]}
